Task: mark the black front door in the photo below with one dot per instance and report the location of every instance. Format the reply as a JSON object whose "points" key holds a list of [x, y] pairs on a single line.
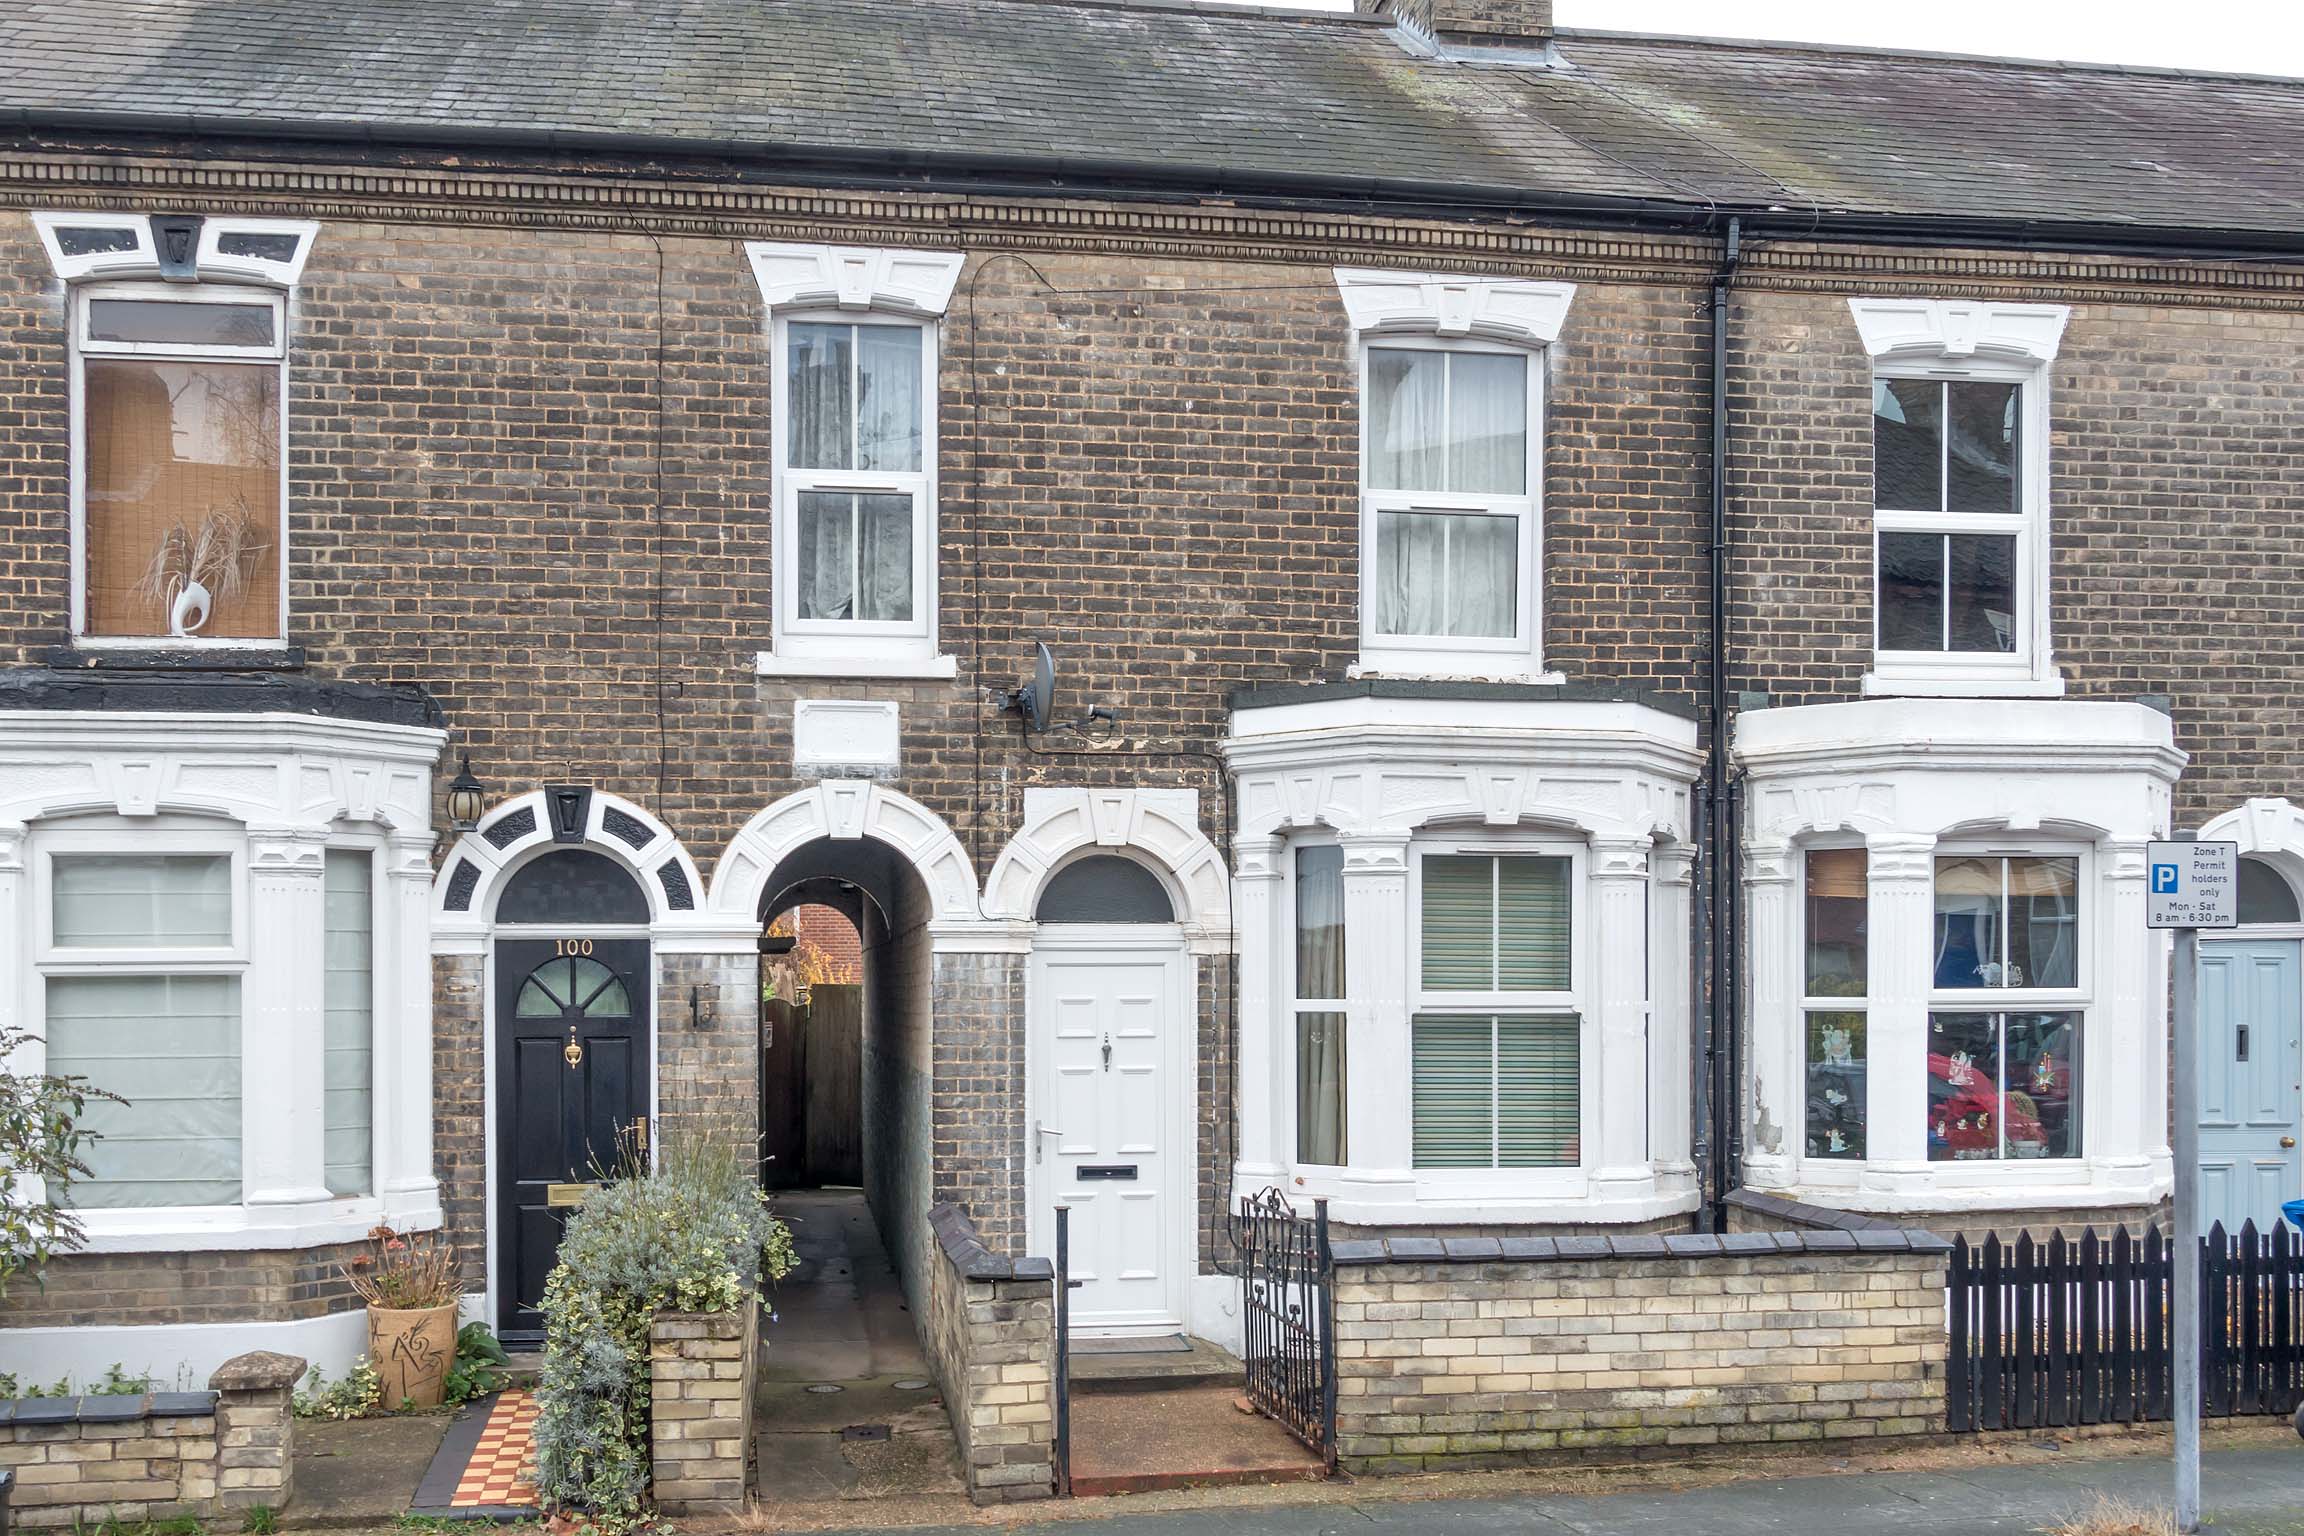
{"points": [[571, 1088]]}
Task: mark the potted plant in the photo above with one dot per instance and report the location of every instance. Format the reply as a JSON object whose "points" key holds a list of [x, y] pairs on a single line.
{"points": [[411, 1286]]}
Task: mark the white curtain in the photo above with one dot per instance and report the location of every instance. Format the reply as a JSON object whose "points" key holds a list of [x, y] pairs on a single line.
{"points": [[888, 407], [348, 980], [1488, 422], [820, 415], [884, 563], [825, 577], [1407, 427], [1446, 574]]}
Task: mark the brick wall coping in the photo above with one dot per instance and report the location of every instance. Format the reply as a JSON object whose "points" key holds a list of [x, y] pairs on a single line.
{"points": [[220, 692], [1817, 1216], [113, 1408], [965, 1251], [1681, 1246], [1412, 688]]}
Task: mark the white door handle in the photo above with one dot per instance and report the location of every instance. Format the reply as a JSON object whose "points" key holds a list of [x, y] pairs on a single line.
{"points": [[1038, 1131]]}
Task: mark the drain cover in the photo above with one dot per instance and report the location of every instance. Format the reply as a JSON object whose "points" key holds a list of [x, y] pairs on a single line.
{"points": [[822, 1388], [865, 1432], [914, 1384]]}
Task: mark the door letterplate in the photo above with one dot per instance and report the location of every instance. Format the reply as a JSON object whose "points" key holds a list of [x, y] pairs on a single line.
{"points": [[558, 1196], [1106, 1171]]}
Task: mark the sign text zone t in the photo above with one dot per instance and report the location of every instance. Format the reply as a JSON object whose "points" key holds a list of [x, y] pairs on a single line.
{"points": [[2192, 885]]}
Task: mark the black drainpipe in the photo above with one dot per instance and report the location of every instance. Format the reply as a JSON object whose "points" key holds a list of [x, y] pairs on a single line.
{"points": [[1719, 932]]}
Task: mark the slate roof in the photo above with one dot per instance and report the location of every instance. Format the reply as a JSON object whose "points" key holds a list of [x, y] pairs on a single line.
{"points": [[1163, 93]]}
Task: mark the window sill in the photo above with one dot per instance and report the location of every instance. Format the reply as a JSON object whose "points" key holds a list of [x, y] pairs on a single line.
{"points": [[226, 1228], [1432, 669], [926, 669], [1890, 682], [163, 656]]}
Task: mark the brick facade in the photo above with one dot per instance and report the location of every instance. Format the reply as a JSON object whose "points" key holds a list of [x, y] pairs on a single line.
{"points": [[530, 472], [94, 1289], [701, 1371]]}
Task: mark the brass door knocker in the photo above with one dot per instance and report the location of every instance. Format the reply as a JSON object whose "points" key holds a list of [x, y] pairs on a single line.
{"points": [[572, 1052]]}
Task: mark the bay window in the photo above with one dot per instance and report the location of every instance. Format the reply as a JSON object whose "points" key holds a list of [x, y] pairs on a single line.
{"points": [[1495, 1045], [158, 987], [2003, 1056]]}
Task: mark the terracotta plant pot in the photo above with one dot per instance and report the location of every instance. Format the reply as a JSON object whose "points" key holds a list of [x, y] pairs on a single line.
{"points": [[412, 1350]]}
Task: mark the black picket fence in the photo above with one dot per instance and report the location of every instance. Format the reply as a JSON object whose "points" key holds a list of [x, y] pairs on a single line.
{"points": [[2048, 1335]]}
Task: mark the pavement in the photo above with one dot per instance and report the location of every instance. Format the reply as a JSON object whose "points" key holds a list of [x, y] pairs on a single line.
{"points": [[2256, 1491]]}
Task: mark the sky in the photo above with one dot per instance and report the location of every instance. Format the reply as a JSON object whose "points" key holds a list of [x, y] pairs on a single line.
{"points": [[2251, 36]]}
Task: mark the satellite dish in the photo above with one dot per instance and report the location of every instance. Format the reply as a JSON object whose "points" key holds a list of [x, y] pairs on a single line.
{"points": [[1036, 700]]}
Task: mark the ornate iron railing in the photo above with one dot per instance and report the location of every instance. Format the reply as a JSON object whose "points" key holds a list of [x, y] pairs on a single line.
{"points": [[1288, 1314]]}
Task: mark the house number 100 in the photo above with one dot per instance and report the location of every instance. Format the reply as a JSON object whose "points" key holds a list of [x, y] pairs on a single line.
{"points": [[571, 946]]}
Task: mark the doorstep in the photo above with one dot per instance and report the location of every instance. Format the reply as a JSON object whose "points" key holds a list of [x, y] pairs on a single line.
{"points": [[1098, 1366]]}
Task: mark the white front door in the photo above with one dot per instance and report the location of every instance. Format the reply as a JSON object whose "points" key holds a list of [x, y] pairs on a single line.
{"points": [[1110, 1108]]}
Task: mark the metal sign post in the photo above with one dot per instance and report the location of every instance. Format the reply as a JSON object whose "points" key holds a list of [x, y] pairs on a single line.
{"points": [[2191, 886]]}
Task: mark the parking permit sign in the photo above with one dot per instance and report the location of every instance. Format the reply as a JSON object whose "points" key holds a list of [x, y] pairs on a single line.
{"points": [[2192, 885]]}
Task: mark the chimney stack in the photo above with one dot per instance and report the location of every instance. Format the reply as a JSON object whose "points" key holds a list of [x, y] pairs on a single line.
{"points": [[1479, 21]]}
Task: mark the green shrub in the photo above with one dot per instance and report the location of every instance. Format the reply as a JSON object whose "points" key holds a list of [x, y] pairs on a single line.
{"points": [[695, 1236], [479, 1366], [359, 1395]]}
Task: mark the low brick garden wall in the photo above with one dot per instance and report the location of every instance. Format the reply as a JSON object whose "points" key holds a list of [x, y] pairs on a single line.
{"points": [[86, 1460], [1493, 1352], [702, 1370], [991, 1336]]}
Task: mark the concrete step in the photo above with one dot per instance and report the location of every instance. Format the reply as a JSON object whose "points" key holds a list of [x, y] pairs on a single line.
{"points": [[1201, 1364]]}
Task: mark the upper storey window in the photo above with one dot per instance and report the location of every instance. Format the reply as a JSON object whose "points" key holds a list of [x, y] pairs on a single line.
{"points": [[179, 352], [1960, 495], [854, 333], [1451, 469]]}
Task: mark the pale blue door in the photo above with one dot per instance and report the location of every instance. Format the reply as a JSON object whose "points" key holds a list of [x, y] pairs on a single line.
{"points": [[2251, 1063]]}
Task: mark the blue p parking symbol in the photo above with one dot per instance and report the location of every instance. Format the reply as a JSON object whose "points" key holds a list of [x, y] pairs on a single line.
{"points": [[2163, 879]]}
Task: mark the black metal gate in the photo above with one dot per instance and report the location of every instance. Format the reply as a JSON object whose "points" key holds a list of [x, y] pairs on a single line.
{"points": [[1288, 1315]]}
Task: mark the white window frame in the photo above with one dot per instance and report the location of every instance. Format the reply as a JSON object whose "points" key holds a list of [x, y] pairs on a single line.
{"points": [[127, 1229], [1517, 656], [81, 348], [2079, 999], [843, 641], [51, 962], [1292, 1006], [1475, 1184], [1824, 1169], [1985, 341], [1978, 671]]}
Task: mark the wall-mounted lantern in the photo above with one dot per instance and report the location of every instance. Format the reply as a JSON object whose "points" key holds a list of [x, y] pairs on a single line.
{"points": [[467, 798]]}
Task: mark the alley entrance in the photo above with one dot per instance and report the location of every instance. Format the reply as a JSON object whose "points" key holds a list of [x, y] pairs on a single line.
{"points": [[847, 1407]]}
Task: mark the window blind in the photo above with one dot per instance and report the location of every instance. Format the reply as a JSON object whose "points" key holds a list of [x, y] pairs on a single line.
{"points": [[349, 1120], [1495, 1091], [170, 1046], [1496, 923]]}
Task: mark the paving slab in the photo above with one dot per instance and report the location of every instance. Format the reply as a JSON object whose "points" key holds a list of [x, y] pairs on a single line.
{"points": [[362, 1471], [1180, 1437]]}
